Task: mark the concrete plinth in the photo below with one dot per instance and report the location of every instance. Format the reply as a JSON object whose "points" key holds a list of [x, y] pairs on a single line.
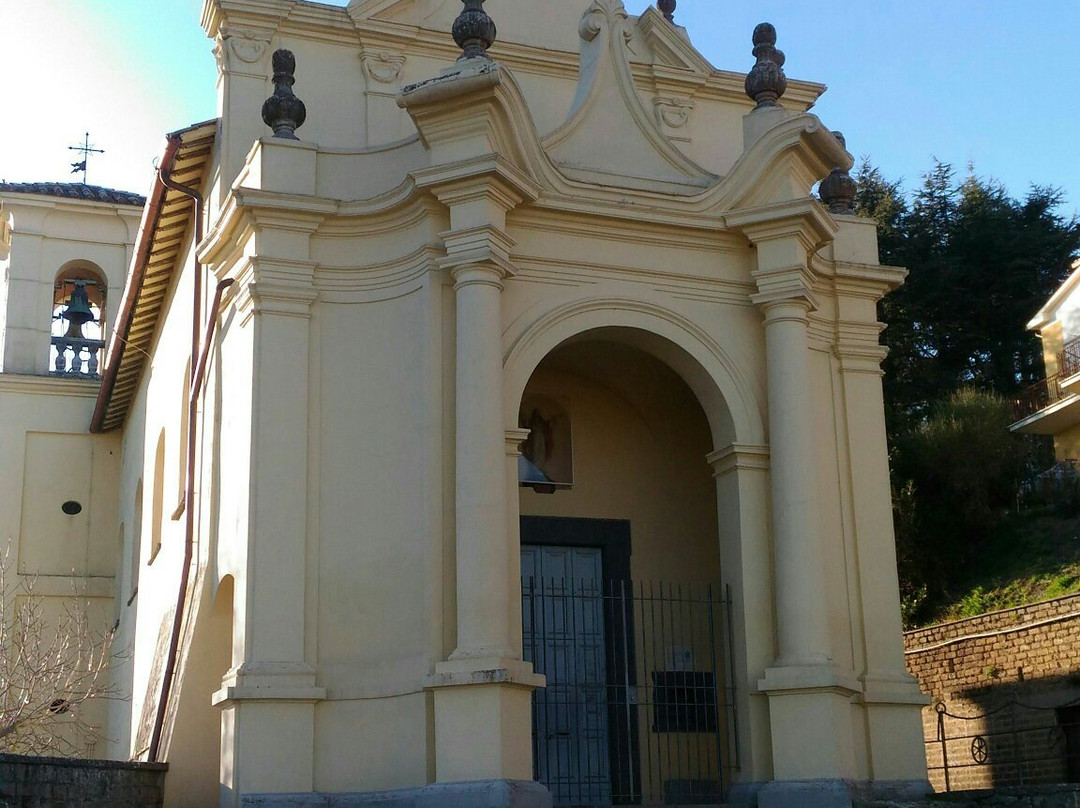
{"points": [[828, 793], [805, 794], [472, 794]]}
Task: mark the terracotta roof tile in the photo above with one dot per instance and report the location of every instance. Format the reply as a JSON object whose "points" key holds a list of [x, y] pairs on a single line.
{"points": [[74, 190]]}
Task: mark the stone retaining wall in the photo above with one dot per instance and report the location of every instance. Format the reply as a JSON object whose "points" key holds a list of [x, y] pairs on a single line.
{"points": [[1009, 685], [44, 782]]}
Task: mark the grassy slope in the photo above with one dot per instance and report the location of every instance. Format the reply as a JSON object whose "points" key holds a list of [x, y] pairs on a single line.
{"points": [[1032, 556]]}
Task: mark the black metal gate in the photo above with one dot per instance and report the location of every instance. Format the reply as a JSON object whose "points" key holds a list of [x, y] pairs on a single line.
{"points": [[639, 705]]}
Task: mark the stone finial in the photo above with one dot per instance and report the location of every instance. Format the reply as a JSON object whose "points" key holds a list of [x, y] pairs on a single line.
{"points": [[283, 111], [667, 8], [766, 82], [474, 30], [838, 189]]}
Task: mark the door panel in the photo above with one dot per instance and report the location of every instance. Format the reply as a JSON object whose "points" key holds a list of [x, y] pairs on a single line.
{"points": [[564, 638]]}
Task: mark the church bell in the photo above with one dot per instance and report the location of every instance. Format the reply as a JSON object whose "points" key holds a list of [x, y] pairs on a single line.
{"points": [[77, 311]]}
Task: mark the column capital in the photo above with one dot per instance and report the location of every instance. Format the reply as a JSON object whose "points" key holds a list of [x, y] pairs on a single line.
{"points": [[858, 349], [738, 456], [483, 247], [477, 192], [784, 292], [802, 219], [277, 286], [514, 439]]}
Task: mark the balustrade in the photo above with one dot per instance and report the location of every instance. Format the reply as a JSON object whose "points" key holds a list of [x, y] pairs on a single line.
{"points": [[77, 356]]}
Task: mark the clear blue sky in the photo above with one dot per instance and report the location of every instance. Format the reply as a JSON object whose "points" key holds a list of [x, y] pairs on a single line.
{"points": [[989, 83]]}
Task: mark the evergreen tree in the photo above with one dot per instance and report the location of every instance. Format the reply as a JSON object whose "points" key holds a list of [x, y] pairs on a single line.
{"points": [[980, 265]]}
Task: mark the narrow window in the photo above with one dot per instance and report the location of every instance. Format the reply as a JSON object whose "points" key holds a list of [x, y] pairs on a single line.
{"points": [[136, 544], [157, 517]]}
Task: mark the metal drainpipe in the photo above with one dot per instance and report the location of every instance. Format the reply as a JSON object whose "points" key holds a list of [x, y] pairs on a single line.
{"points": [[189, 483], [197, 377]]}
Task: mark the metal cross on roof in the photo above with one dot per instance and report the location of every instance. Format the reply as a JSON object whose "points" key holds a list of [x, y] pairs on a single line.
{"points": [[86, 150]]}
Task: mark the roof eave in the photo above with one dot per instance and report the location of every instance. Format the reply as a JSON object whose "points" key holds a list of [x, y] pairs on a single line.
{"points": [[105, 416]]}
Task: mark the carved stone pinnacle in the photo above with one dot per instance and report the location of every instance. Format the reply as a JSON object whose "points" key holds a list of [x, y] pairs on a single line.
{"points": [[766, 82], [283, 111], [667, 7], [838, 189], [474, 31]]}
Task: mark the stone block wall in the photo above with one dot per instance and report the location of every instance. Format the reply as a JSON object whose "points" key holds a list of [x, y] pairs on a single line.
{"points": [[43, 782], [1005, 690]]}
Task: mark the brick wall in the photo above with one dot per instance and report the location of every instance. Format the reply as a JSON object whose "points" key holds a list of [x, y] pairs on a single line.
{"points": [[1005, 690], [62, 783]]}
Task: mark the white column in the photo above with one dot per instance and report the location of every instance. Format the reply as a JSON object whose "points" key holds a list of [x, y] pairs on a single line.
{"points": [[802, 628], [483, 627], [482, 694], [813, 734]]}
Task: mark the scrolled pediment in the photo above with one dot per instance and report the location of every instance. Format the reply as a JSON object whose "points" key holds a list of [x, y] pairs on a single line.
{"points": [[610, 138]]}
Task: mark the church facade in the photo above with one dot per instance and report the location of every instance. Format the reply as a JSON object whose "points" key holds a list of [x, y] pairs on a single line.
{"points": [[497, 419]]}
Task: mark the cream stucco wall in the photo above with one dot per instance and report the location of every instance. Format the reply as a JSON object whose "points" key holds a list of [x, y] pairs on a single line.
{"points": [[50, 459], [50, 234]]}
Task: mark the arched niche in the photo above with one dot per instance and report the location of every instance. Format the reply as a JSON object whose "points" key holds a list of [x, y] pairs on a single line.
{"points": [[723, 391]]}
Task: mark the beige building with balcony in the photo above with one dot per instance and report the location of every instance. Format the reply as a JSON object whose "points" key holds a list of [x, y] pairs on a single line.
{"points": [[502, 430], [1052, 407]]}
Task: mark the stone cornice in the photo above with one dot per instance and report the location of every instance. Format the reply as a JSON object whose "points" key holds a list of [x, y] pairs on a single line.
{"points": [[246, 209], [48, 385], [381, 281], [869, 281]]}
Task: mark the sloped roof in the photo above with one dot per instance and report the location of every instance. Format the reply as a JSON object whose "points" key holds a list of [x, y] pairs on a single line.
{"points": [[165, 233], [75, 190]]}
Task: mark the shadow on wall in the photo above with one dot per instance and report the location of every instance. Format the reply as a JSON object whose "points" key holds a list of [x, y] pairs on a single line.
{"points": [[1012, 731]]}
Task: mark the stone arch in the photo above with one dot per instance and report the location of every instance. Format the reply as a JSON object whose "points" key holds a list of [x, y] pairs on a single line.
{"points": [[76, 347], [734, 407], [194, 742], [724, 392], [97, 287]]}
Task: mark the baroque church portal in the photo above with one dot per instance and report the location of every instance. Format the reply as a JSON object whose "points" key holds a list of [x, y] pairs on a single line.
{"points": [[486, 424]]}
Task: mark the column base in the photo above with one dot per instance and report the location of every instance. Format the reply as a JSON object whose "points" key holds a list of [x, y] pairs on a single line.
{"points": [[483, 720], [473, 794], [810, 717]]}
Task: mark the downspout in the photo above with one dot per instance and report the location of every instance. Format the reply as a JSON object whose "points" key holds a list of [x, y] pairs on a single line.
{"points": [[198, 375], [194, 385]]}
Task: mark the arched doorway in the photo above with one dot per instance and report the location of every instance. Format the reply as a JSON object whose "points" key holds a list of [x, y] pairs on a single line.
{"points": [[624, 605]]}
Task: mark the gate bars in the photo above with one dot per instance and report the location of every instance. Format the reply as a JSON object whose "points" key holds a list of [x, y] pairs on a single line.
{"points": [[639, 704]]}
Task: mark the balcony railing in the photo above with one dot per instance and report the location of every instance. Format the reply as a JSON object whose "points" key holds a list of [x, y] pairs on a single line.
{"points": [[77, 356], [1048, 391], [1040, 395]]}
